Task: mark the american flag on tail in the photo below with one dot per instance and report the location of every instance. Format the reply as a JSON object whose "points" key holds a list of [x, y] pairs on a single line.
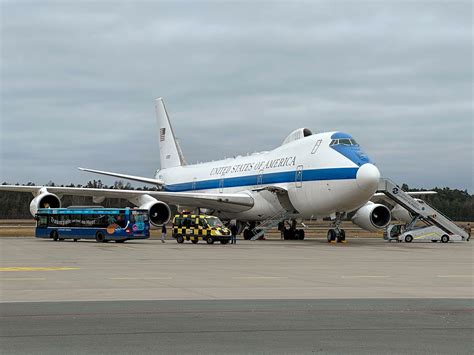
{"points": [[162, 134]]}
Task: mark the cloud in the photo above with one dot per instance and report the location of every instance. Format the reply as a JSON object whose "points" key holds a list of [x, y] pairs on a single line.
{"points": [[79, 79]]}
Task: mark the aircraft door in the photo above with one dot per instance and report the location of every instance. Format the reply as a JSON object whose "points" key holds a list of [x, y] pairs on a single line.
{"points": [[193, 185], [221, 184], [260, 178], [299, 176]]}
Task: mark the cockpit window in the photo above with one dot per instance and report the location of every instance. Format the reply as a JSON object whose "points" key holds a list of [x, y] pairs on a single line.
{"points": [[344, 141]]}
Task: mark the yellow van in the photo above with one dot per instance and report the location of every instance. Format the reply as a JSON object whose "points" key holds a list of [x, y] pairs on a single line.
{"points": [[194, 227]]}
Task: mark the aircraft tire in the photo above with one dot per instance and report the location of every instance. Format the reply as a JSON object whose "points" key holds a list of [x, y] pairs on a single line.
{"points": [[342, 236], [408, 238], [180, 239], [300, 234], [248, 234], [331, 235], [445, 239]]}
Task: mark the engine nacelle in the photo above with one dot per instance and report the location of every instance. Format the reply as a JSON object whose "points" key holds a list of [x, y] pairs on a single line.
{"points": [[403, 215], [159, 212], [372, 217], [44, 200]]}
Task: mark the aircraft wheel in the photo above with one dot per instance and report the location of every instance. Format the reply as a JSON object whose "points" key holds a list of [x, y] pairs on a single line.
{"points": [[301, 234], [210, 240], [342, 236], [248, 234], [180, 239], [408, 238], [99, 237], [445, 239], [331, 235]]}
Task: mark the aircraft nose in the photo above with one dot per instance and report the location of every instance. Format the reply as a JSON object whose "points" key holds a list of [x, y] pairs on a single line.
{"points": [[368, 177]]}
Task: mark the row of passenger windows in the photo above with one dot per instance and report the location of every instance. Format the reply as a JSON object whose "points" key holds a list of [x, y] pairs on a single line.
{"points": [[343, 141], [90, 220]]}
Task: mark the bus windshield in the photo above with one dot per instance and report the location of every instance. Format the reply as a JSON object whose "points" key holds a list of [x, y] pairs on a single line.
{"points": [[214, 222]]}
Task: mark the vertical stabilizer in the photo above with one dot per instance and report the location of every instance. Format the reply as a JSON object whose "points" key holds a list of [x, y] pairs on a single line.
{"points": [[170, 151]]}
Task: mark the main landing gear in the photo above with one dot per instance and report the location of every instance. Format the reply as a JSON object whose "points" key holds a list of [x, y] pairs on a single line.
{"points": [[291, 233], [337, 234]]}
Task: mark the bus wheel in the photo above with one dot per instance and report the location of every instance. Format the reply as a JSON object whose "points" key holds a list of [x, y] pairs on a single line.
{"points": [[54, 235], [195, 241], [180, 239], [99, 237], [210, 240], [444, 239]]}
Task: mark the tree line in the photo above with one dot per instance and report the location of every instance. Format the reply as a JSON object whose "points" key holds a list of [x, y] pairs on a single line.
{"points": [[456, 204]]}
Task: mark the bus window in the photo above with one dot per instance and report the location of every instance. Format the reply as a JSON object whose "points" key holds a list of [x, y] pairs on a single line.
{"points": [[121, 220], [42, 221]]}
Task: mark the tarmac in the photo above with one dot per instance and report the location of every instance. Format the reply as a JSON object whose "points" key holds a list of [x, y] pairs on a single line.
{"points": [[366, 296]]}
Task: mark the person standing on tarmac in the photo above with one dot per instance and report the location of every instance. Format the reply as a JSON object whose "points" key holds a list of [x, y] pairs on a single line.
{"points": [[163, 233], [233, 232]]}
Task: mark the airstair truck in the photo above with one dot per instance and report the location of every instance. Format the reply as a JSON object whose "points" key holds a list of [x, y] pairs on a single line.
{"points": [[429, 233]]}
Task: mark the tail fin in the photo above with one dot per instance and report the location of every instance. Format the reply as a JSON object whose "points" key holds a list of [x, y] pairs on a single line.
{"points": [[170, 151]]}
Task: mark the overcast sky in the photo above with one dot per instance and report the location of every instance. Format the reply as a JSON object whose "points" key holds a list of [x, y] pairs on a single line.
{"points": [[79, 80]]}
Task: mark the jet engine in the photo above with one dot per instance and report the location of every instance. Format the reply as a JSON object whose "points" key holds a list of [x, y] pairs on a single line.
{"points": [[159, 212], [44, 200], [372, 217]]}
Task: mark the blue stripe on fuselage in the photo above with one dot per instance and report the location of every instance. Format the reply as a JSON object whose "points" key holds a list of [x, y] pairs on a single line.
{"points": [[266, 179]]}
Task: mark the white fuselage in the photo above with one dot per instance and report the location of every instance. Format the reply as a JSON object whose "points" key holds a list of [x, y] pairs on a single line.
{"points": [[320, 179]]}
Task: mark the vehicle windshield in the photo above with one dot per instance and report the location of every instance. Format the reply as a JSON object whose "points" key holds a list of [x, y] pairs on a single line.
{"points": [[214, 222]]}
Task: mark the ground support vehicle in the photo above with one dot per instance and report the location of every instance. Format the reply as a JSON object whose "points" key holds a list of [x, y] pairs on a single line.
{"points": [[101, 224], [430, 233], [199, 227]]}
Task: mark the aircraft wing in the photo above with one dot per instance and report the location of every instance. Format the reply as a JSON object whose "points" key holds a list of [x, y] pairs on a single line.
{"points": [[124, 176], [221, 201], [381, 197]]}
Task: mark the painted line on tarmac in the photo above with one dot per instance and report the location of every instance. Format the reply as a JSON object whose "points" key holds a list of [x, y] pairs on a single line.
{"points": [[470, 276], [23, 279], [140, 278], [29, 268], [259, 277], [365, 276]]}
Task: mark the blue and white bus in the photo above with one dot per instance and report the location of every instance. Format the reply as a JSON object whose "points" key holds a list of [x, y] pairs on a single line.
{"points": [[101, 224]]}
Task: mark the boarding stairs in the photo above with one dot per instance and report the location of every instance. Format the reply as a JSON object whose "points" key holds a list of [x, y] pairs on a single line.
{"points": [[269, 223], [420, 208]]}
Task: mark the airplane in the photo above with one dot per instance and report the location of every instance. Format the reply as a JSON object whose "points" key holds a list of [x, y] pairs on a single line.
{"points": [[307, 176]]}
